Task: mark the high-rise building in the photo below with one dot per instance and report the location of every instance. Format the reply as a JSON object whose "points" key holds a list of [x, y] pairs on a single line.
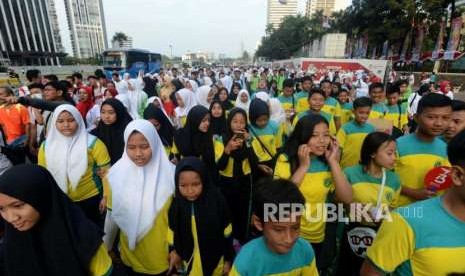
{"points": [[327, 6], [86, 22], [26, 33], [55, 26], [278, 10]]}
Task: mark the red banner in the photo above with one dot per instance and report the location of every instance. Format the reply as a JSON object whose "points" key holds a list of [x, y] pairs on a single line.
{"points": [[420, 35], [454, 38], [439, 43]]}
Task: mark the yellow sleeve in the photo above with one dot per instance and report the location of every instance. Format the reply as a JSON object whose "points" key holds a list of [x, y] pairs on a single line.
{"points": [[107, 191], [174, 149], [311, 269], [403, 120], [282, 169], [227, 231], [234, 271], [338, 111], [41, 156], [393, 245], [100, 154], [170, 236], [101, 264], [341, 137], [296, 119], [219, 148], [279, 135]]}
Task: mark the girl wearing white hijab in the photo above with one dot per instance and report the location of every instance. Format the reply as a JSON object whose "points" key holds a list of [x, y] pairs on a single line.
{"points": [[192, 85], [158, 103], [227, 82], [137, 99], [262, 96], [142, 185], [207, 81], [276, 111], [77, 160], [186, 101], [204, 96], [243, 100]]}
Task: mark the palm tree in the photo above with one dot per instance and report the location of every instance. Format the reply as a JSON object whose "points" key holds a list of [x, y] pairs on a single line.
{"points": [[119, 37]]}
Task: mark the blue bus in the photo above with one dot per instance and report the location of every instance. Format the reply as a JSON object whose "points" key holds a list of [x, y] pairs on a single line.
{"points": [[130, 61]]}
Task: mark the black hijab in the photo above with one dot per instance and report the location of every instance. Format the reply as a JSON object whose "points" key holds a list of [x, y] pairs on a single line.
{"points": [[227, 104], [63, 242], [211, 218], [258, 108], [113, 135], [166, 131], [218, 125], [239, 155]]}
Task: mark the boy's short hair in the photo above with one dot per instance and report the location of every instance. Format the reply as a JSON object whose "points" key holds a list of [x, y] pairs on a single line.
{"points": [[314, 91], [456, 149], [32, 74], [392, 89], [115, 75], [91, 77], [325, 81], [376, 85], [289, 83], [36, 86], [77, 75], [362, 102], [276, 192], [433, 100], [399, 83], [458, 105], [51, 77], [307, 78], [8, 90]]}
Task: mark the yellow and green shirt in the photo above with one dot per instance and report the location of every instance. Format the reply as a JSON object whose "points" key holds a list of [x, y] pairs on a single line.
{"points": [[415, 158], [398, 116], [101, 264], [287, 102], [90, 184], [378, 111], [332, 107], [346, 113], [255, 258], [150, 256], [196, 269], [365, 188], [350, 138], [422, 239], [228, 170], [301, 99], [270, 136], [315, 187]]}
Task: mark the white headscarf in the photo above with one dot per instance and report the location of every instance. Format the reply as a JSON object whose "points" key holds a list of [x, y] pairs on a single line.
{"points": [[207, 81], [227, 82], [239, 103], [262, 96], [123, 98], [189, 100], [194, 85], [66, 157], [136, 98], [277, 113], [139, 193], [152, 99], [202, 95]]}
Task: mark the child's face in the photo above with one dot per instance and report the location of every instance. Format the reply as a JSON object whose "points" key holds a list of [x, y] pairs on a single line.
{"points": [[66, 124], [361, 114], [262, 121], [320, 140], [316, 102], [262, 84], [155, 123], [205, 123], [456, 124], [138, 149], [377, 95], [236, 90], [403, 88], [327, 88], [190, 185], [386, 155], [223, 95], [156, 103], [280, 237], [19, 214], [343, 97], [238, 122], [180, 101], [288, 91], [433, 121], [244, 98], [393, 98], [83, 96], [217, 110], [108, 114]]}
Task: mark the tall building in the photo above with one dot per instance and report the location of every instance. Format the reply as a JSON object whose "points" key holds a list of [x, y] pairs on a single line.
{"points": [[26, 33], [277, 10], [327, 6], [125, 44], [55, 26], [86, 22]]}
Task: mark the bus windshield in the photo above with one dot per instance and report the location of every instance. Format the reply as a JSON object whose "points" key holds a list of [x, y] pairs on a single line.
{"points": [[114, 59]]}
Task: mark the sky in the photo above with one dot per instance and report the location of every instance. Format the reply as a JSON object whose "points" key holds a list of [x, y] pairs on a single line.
{"points": [[218, 26]]}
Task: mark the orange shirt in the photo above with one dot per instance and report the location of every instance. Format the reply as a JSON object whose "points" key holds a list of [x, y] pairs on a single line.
{"points": [[13, 120]]}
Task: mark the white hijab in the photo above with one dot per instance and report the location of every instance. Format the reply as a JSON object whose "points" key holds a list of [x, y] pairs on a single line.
{"points": [[276, 110], [227, 82], [139, 193], [152, 99], [194, 85], [202, 95], [66, 157], [189, 100], [240, 104], [263, 96], [207, 81], [136, 97]]}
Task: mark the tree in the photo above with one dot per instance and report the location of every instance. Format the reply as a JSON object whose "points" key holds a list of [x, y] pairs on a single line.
{"points": [[245, 56], [119, 37], [269, 29]]}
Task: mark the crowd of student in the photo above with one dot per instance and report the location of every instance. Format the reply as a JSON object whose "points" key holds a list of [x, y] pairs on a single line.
{"points": [[172, 174]]}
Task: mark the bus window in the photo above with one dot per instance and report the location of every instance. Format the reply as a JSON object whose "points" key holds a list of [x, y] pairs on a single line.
{"points": [[114, 59]]}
